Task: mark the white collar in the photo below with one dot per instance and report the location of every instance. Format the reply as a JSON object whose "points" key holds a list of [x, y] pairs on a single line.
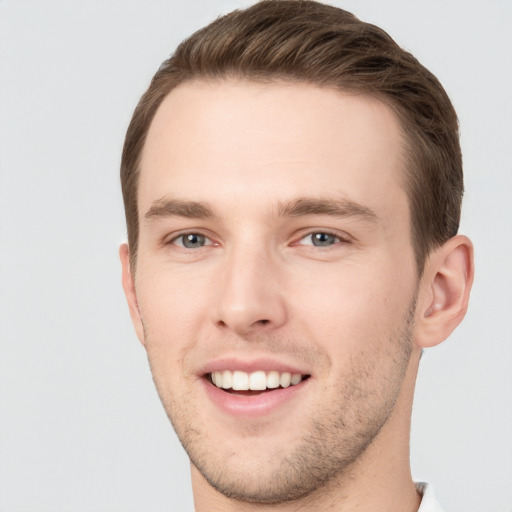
{"points": [[429, 501]]}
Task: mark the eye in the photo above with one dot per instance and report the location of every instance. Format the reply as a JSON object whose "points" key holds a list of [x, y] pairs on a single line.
{"points": [[321, 239], [191, 241]]}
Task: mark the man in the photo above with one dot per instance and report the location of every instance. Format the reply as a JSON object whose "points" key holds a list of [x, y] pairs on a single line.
{"points": [[292, 183]]}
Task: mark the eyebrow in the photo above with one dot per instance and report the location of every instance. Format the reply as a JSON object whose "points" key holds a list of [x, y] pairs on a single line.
{"points": [[177, 208], [331, 207], [300, 207]]}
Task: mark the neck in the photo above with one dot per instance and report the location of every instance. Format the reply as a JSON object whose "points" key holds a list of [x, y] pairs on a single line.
{"points": [[379, 480]]}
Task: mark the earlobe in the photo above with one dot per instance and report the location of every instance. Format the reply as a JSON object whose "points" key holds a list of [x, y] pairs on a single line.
{"points": [[445, 289], [130, 292]]}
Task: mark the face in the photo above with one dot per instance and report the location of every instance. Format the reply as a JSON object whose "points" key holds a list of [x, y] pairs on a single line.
{"points": [[275, 281]]}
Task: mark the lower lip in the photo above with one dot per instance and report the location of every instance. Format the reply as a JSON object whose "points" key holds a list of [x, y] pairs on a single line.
{"points": [[252, 405]]}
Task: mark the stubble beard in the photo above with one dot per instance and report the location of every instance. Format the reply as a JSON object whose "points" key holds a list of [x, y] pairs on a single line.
{"points": [[338, 434]]}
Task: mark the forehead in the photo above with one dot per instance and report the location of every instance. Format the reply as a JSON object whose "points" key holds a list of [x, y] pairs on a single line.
{"points": [[238, 140]]}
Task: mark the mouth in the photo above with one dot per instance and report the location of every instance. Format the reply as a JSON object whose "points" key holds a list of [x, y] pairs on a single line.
{"points": [[254, 383], [255, 388]]}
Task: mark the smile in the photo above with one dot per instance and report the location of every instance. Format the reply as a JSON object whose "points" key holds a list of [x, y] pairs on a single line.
{"points": [[254, 388], [255, 381]]}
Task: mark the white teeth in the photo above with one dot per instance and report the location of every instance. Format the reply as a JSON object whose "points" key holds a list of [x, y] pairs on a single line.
{"points": [[240, 381], [285, 380], [273, 380], [296, 378], [217, 378], [227, 379], [255, 381]]}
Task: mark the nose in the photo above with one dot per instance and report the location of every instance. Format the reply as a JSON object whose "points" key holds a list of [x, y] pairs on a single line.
{"points": [[251, 295]]}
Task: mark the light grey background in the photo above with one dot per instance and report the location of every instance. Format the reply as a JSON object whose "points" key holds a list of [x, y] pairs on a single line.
{"points": [[81, 428]]}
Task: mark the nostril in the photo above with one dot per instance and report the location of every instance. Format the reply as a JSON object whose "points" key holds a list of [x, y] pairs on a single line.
{"points": [[244, 324]]}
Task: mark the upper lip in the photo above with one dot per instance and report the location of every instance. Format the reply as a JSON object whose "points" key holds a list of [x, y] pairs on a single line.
{"points": [[251, 365]]}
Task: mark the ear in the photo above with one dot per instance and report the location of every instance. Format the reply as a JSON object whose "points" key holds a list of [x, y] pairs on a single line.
{"points": [[130, 292], [444, 291]]}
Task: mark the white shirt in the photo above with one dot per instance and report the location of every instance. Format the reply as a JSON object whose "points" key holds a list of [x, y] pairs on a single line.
{"points": [[429, 502]]}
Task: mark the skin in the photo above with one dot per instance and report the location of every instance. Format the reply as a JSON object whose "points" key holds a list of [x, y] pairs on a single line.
{"points": [[352, 313]]}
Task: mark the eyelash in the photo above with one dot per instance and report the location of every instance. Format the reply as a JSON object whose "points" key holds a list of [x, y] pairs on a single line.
{"points": [[207, 241], [337, 236], [183, 236]]}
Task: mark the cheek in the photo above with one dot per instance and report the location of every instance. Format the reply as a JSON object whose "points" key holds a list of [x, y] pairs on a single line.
{"points": [[170, 313], [166, 292], [353, 303], [173, 308]]}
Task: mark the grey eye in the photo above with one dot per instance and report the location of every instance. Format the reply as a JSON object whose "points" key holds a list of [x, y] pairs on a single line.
{"points": [[191, 240], [323, 239]]}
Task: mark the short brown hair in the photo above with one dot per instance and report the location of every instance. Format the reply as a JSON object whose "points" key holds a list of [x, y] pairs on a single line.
{"points": [[309, 42]]}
